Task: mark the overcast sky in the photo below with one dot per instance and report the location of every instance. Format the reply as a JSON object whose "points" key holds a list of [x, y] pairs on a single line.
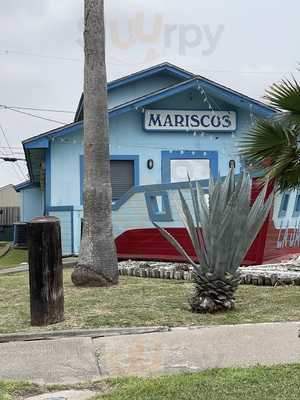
{"points": [[245, 45]]}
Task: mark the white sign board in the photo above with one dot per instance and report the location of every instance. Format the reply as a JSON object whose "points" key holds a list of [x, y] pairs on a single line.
{"points": [[180, 120]]}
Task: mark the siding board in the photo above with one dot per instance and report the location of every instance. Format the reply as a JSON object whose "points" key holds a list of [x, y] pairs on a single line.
{"points": [[9, 215]]}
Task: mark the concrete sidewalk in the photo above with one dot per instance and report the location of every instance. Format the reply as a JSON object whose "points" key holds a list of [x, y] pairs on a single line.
{"points": [[49, 361], [186, 349], [67, 263]]}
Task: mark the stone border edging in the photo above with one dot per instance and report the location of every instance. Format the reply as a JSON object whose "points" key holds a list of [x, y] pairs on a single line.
{"points": [[92, 333], [264, 275]]}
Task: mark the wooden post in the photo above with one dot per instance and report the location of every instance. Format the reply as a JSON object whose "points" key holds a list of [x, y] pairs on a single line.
{"points": [[45, 271]]}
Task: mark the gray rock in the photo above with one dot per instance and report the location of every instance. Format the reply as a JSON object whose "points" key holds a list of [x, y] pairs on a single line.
{"points": [[143, 272], [274, 279], [156, 273], [168, 275], [137, 272]]}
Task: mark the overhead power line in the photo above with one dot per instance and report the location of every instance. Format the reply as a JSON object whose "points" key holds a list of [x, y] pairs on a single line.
{"points": [[36, 109], [121, 63], [24, 53], [16, 165], [36, 116]]}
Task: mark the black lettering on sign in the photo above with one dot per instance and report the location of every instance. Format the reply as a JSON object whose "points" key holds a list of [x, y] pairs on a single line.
{"points": [[179, 120], [226, 121], [187, 120], [168, 121], [202, 121], [195, 121], [216, 121], [155, 120]]}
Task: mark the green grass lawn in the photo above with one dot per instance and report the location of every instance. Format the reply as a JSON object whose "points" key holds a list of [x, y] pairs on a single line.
{"points": [[138, 302], [260, 383], [13, 258]]}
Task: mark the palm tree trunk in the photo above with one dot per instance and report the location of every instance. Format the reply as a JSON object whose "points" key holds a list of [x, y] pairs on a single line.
{"points": [[97, 264]]}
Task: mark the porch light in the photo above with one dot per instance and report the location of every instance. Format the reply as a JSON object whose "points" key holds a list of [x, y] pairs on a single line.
{"points": [[232, 164], [150, 164]]}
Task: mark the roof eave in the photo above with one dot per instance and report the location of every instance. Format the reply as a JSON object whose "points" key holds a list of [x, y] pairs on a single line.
{"points": [[166, 66], [230, 96]]}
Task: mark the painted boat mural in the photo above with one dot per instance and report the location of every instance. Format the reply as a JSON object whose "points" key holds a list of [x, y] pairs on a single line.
{"points": [[145, 242], [141, 241], [136, 237]]}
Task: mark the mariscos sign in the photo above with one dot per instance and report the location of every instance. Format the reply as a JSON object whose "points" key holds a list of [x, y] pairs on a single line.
{"points": [[180, 120]]}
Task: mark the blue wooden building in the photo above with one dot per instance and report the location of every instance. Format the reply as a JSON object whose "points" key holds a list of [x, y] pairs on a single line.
{"points": [[164, 122]]}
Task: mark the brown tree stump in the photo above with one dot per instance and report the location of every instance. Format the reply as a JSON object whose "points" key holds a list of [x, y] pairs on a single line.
{"points": [[45, 271]]}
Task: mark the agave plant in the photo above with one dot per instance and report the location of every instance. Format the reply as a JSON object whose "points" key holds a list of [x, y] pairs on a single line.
{"points": [[222, 231]]}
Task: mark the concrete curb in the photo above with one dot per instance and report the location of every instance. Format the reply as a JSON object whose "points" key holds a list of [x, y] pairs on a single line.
{"points": [[4, 250], [92, 333], [67, 263], [107, 332], [13, 270]]}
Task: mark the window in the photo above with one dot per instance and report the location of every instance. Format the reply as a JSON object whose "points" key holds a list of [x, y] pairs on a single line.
{"points": [[122, 176], [284, 205], [177, 164], [196, 169], [296, 212], [158, 206]]}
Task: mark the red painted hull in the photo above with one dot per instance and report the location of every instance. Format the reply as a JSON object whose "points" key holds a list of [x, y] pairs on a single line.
{"points": [[148, 244]]}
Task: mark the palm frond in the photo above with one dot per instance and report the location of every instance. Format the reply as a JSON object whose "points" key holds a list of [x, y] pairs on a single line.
{"points": [[265, 141], [286, 96], [286, 169], [273, 149]]}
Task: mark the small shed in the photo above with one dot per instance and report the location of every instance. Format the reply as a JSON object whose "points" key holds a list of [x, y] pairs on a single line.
{"points": [[9, 211]]}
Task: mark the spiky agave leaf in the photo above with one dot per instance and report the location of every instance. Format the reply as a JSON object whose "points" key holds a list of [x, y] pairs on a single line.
{"points": [[199, 236], [190, 226], [254, 225], [211, 185], [232, 226], [258, 203], [215, 214], [242, 206], [194, 233], [227, 188], [203, 219], [219, 198], [177, 246]]}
